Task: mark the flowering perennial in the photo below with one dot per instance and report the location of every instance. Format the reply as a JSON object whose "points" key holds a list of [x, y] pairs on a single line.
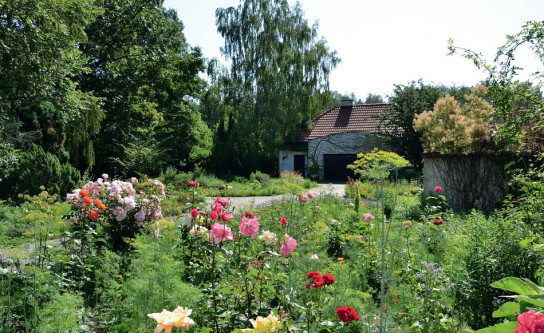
{"points": [[249, 227], [347, 314], [167, 320], [270, 322], [268, 237], [288, 246], [530, 322], [369, 217]]}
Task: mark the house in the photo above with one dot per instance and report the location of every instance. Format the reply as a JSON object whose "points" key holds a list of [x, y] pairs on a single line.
{"points": [[333, 142]]}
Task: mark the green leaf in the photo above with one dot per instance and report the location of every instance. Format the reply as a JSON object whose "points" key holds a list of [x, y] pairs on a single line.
{"points": [[517, 285], [534, 300], [508, 327], [507, 309]]}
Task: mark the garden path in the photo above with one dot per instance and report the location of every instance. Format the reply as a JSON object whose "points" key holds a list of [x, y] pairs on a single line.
{"points": [[244, 203]]}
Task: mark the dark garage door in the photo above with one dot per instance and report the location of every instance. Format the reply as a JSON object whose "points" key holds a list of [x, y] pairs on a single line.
{"points": [[335, 167]]}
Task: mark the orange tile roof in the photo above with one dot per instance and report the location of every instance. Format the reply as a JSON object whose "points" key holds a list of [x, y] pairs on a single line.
{"points": [[358, 118]]}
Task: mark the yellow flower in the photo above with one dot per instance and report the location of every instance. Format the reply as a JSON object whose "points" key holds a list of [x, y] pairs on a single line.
{"points": [[270, 322], [407, 223], [166, 320]]}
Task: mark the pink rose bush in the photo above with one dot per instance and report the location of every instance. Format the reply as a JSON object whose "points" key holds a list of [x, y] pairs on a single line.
{"points": [[123, 210]]}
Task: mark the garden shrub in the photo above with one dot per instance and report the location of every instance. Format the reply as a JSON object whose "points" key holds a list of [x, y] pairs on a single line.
{"points": [[493, 252], [38, 168], [260, 177]]}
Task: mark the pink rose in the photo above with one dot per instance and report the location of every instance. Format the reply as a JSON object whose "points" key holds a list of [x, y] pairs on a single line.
{"points": [[222, 201], [219, 233], [249, 227], [438, 189], [289, 246], [368, 217], [283, 220], [194, 212], [530, 322]]}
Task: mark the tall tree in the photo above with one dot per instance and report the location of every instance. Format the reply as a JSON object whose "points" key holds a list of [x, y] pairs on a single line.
{"points": [[147, 76], [279, 64], [398, 120], [39, 65], [373, 99]]}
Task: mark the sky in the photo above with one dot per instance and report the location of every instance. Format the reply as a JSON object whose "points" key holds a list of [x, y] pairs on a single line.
{"points": [[383, 43]]}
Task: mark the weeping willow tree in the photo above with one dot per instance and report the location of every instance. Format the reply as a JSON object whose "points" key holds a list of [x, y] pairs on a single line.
{"points": [[280, 67]]}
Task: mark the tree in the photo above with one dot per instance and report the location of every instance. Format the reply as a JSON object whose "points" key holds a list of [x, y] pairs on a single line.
{"points": [[518, 105], [147, 77], [279, 65], [373, 99], [39, 66], [454, 128], [398, 120]]}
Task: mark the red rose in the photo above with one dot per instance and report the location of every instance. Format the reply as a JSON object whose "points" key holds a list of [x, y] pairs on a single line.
{"points": [[193, 183], [329, 279], [312, 274], [319, 281], [346, 314], [93, 215], [194, 212], [214, 215], [530, 322], [309, 286], [283, 220], [438, 189], [438, 221]]}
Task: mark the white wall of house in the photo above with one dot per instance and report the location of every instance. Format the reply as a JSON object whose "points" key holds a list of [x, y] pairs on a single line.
{"points": [[343, 143], [287, 160]]}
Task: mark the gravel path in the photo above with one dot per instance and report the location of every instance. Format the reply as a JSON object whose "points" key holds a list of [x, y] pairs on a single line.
{"points": [[244, 203]]}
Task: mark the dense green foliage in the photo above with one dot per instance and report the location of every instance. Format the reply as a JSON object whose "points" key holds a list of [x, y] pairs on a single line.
{"points": [[279, 73]]}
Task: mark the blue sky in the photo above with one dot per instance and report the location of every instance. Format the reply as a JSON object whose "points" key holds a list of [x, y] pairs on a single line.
{"points": [[387, 42]]}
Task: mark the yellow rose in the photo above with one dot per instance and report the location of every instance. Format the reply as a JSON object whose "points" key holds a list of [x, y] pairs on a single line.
{"points": [[166, 320]]}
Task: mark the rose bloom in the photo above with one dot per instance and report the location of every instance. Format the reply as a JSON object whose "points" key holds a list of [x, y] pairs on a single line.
{"points": [[84, 193], [329, 279], [222, 201], [438, 189], [439, 221], [197, 230], [268, 237], [270, 322], [219, 233], [249, 215], [193, 183], [346, 314], [318, 281], [166, 320], [530, 322], [194, 212], [93, 215], [288, 246], [310, 195], [225, 216], [283, 220], [368, 217], [88, 200], [406, 223], [214, 215], [249, 228]]}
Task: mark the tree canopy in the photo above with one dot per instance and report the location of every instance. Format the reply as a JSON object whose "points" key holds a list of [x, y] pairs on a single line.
{"points": [[279, 68]]}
